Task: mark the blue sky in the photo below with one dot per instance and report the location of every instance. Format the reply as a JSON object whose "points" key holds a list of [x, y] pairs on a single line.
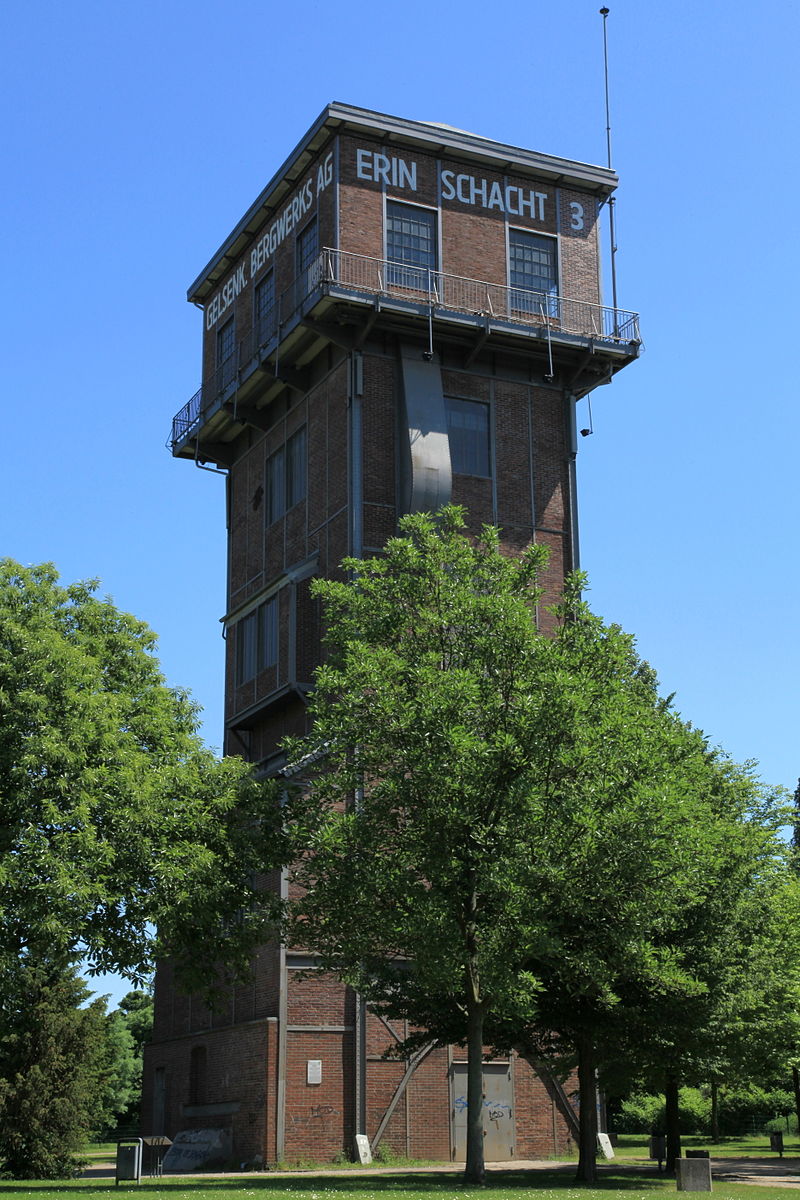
{"points": [[136, 136]]}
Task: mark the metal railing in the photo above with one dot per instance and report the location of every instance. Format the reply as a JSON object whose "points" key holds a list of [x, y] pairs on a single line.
{"points": [[185, 421], [479, 298], [378, 277]]}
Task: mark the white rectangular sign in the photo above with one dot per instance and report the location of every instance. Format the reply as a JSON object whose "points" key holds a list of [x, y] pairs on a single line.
{"points": [[362, 1148], [604, 1145]]}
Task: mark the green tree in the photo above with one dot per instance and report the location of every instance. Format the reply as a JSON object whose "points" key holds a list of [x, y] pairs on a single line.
{"points": [[121, 838], [53, 1062], [114, 819], [122, 1075], [135, 1017], [426, 707], [795, 1058], [726, 1010], [137, 1012], [490, 797]]}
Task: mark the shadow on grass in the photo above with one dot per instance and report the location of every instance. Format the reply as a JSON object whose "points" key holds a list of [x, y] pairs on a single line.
{"points": [[431, 1182]]}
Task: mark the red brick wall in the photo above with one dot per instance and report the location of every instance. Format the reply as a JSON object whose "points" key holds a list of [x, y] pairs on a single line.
{"points": [[527, 495], [240, 1073], [473, 237], [541, 1130]]}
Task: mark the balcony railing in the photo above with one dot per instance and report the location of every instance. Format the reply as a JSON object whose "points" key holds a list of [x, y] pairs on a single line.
{"points": [[407, 284], [381, 277], [187, 420]]}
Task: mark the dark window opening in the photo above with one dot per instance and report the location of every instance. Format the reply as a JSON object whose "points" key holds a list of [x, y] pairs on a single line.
{"points": [[226, 353], [286, 476], [307, 251], [264, 310], [296, 468], [257, 641], [276, 485], [468, 433]]}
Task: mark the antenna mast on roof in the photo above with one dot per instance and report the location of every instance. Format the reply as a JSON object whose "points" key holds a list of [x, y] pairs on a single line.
{"points": [[611, 202]]}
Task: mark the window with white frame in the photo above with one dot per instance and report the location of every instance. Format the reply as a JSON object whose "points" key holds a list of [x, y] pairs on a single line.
{"points": [[468, 434], [257, 641], [533, 268], [411, 245]]}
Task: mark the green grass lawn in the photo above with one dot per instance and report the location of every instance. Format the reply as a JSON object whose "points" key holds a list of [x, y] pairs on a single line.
{"points": [[630, 1146], [626, 1183], [506, 1185], [635, 1145]]}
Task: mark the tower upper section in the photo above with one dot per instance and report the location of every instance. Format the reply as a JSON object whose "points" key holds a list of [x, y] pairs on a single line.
{"points": [[380, 226]]}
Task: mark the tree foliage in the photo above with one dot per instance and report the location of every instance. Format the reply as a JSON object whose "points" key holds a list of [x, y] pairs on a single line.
{"points": [[115, 822], [55, 1068], [509, 826], [132, 1024], [427, 708], [114, 819], [136, 1010], [727, 1012]]}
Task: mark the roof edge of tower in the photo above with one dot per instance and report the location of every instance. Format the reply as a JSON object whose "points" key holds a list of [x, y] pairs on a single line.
{"points": [[337, 117]]}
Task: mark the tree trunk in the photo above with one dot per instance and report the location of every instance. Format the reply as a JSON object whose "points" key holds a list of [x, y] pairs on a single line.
{"points": [[796, 1086], [474, 1168], [587, 1090], [714, 1112], [672, 1123]]}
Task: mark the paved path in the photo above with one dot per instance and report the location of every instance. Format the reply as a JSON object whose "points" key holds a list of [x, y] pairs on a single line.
{"points": [[777, 1172]]}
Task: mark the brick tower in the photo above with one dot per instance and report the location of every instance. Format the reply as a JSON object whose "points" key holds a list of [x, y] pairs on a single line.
{"points": [[405, 317]]}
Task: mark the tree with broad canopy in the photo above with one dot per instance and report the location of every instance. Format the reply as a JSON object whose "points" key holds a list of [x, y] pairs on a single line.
{"points": [[121, 836], [498, 810]]}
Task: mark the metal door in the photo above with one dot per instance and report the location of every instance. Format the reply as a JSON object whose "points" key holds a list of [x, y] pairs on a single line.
{"points": [[498, 1112]]}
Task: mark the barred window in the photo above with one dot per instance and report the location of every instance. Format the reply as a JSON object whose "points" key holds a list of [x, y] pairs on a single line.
{"points": [[533, 267], [468, 433], [411, 243]]}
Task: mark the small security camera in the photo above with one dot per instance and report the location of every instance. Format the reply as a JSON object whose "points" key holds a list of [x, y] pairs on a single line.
{"points": [[586, 432]]}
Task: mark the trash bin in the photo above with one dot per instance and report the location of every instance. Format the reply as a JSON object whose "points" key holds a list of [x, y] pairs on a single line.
{"points": [[658, 1146], [129, 1161]]}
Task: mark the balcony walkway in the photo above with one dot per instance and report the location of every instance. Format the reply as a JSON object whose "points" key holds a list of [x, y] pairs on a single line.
{"points": [[434, 296]]}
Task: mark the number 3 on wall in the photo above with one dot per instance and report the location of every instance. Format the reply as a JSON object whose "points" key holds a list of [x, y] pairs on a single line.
{"points": [[577, 214]]}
